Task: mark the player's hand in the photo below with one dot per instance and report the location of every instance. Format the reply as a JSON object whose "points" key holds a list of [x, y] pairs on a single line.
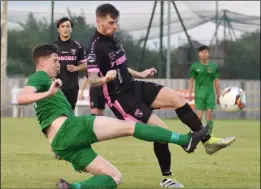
{"points": [[81, 97], [148, 73], [110, 75], [71, 68], [55, 87]]}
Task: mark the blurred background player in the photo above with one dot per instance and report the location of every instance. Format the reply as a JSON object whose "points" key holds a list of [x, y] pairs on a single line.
{"points": [[72, 59], [97, 101], [206, 76]]}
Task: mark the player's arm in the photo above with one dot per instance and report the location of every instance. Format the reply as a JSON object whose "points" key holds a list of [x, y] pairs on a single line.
{"points": [[191, 81], [144, 74], [216, 84], [94, 80], [134, 73], [30, 95], [93, 69], [73, 68], [217, 87], [82, 61], [191, 85], [81, 67], [83, 86]]}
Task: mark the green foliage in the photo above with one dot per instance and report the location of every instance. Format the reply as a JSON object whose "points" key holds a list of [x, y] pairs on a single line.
{"points": [[21, 43], [242, 59]]}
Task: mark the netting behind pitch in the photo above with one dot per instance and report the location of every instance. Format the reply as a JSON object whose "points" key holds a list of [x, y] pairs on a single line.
{"points": [[193, 14]]}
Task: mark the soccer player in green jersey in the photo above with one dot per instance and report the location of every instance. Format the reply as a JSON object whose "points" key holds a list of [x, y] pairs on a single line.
{"points": [[71, 136], [206, 76]]}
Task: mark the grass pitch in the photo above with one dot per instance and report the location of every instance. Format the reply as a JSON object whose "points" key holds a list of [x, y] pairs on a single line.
{"points": [[27, 160]]}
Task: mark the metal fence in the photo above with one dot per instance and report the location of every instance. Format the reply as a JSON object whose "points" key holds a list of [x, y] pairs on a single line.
{"points": [[251, 88]]}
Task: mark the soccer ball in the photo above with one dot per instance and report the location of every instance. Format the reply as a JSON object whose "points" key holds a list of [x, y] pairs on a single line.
{"points": [[232, 99]]}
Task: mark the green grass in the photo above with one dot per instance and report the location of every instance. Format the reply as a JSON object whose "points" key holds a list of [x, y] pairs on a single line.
{"points": [[27, 161]]}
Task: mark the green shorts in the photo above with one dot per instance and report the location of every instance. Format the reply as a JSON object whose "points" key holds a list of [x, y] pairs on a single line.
{"points": [[73, 141], [205, 103]]}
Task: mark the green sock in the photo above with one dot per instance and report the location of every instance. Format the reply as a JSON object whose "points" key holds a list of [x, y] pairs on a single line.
{"points": [[179, 139], [157, 134], [98, 181], [210, 123]]}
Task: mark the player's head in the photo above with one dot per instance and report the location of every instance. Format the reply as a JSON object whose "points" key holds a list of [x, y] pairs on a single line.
{"points": [[46, 59], [107, 19], [64, 27], [203, 52]]}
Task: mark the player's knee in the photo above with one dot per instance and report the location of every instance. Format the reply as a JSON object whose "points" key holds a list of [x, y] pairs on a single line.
{"points": [[116, 176], [127, 131], [178, 100], [128, 127]]}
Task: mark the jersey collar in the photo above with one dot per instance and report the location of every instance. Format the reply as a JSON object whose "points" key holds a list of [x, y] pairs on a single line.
{"points": [[61, 41], [103, 36]]}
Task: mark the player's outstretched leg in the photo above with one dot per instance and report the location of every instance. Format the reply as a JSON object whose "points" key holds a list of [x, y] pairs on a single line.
{"points": [[171, 98], [106, 128]]}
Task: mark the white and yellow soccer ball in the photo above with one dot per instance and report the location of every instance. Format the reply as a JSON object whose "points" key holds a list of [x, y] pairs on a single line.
{"points": [[232, 99]]}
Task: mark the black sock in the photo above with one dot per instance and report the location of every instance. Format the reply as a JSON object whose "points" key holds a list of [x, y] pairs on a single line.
{"points": [[188, 117], [164, 157]]}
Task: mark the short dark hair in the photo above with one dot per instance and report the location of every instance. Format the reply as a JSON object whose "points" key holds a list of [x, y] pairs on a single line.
{"points": [[107, 9], [202, 48], [62, 20], [44, 50]]}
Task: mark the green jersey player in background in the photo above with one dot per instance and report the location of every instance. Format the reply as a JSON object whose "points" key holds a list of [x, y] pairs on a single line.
{"points": [[73, 144], [206, 91]]}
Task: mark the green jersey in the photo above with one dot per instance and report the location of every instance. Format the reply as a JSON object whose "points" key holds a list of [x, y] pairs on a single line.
{"points": [[204, 75], [50, 108]]}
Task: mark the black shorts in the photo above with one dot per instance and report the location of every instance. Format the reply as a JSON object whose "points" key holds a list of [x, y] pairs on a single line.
{"points": [[71, 95], [135, 104], [96, 98]]}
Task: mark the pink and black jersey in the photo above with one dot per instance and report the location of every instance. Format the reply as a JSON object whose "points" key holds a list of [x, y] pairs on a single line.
{"points": [[71, 52], [106, 53]]}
